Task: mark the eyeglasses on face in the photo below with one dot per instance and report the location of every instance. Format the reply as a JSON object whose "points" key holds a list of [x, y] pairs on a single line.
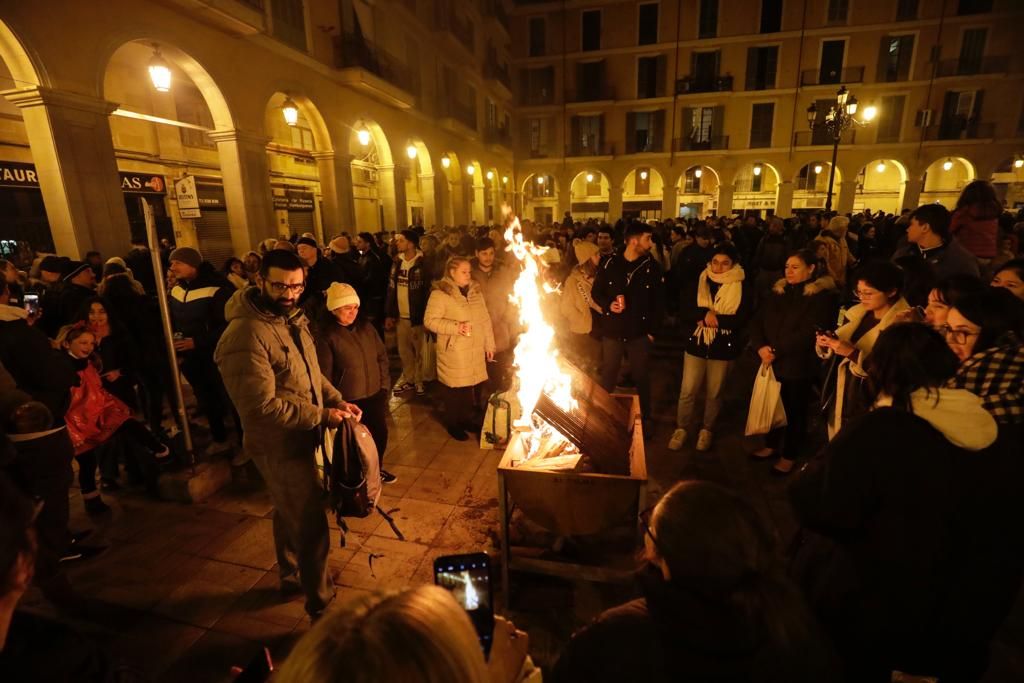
{"points": [[957, 336], [282, 287], [645, 522]]}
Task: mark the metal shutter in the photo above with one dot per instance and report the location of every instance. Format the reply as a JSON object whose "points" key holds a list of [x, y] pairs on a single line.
{"points": [[214, 235], [301, 221]]}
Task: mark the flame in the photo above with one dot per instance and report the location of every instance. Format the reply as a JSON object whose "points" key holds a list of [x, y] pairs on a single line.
{"points": [[536, 358]]}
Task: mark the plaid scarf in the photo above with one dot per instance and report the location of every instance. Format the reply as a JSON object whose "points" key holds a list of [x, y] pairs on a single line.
{"points": [[997, 376]]}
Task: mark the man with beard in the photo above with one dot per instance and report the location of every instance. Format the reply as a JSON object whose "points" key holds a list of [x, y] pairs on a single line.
{"points": [[268, 361]]}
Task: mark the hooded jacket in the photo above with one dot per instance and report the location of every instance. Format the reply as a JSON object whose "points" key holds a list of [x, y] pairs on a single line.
{"points": [[269, 366], [40, 371], [642, 285], [197, 307], [576, 303], [976, 229], [461, 360], [895, 553], [496, 287], [353, 358], [787, 321]]}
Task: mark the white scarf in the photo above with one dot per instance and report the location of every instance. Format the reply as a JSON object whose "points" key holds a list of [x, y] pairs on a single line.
{"points": [[726, 301]]}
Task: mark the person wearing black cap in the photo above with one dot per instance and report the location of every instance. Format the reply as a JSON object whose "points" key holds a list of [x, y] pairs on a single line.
{"points": [[49, 287], [79, 284], [197, 312], [320, 273]]}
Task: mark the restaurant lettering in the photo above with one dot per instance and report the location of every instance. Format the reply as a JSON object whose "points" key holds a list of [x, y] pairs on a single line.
{"points": [[16, 174], [143, 183]]}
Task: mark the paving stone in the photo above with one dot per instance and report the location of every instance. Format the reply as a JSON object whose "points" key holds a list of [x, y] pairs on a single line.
{"points": [[253, 548], [418, 520], [440, 486]]}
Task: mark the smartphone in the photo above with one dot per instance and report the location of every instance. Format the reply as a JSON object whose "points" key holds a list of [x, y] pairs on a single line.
{"points": [[31, 303], [468, 577], [258, 670], [825, 333]]}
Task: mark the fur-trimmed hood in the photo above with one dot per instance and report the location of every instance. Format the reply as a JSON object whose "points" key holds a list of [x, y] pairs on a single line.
{"points": [[824, 283], [448, 286]]}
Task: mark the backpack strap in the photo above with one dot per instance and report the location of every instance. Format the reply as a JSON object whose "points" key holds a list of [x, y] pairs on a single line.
{"points": [[391, 522]]}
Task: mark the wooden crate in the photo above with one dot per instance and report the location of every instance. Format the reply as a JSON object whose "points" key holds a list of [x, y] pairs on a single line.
{"points": [[571, 503]]}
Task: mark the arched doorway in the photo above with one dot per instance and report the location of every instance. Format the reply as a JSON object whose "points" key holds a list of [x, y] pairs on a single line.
{"points": [[810, 186], [589, 195], [373, 179], [1008, 179], [540, 198], [297, 133], [755, 189], [642, 193], [419, 185], [880, 186], [453, 190], [944, 179], [698, 192]]}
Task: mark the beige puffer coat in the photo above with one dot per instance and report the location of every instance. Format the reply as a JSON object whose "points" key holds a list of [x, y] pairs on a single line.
{"points": [[461, 361], [576, 302], [270, 369]]}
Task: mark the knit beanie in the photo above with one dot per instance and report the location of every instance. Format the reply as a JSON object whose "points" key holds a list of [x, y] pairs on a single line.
{"points": [[584, 250], [340, 294], [188, 256], [340, 245], [308, 241], [73, 268], [52, 264]]}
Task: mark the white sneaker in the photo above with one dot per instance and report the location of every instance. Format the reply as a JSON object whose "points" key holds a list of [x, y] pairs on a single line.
{"points": [[676, 442], [216, 447], [704, 440]]}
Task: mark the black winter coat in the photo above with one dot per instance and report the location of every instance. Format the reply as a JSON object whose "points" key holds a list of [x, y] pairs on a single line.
{"points": [[72, 297], [419, 290], [353, 359], [38, 370], [787, 321], [643, 286], [731, 337], [197, 308], [906, 562]]}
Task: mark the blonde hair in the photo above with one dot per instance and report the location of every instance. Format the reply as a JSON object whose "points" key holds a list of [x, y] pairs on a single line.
{"points": [[453, 263], [419, 635]]}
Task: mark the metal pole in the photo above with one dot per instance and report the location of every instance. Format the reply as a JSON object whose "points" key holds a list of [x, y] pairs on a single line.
{"points": [[832, 169], [165, 317]]}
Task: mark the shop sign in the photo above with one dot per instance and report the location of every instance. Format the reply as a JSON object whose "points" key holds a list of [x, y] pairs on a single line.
{"points": [[142, 183], [187, 197], [17, 174], [211, 197], [294, 200]]}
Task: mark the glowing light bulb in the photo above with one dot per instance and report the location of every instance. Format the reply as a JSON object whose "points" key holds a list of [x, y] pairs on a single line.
{"points": [[881, 167], [363, 136], [590, 177], [411, 151], [159, 72], [1018, 162], [490, 175], [446, 162], [698, 173], [290, 112], [870, 113], [643, 175], [504, 180], [817, 168], [947, 164], [757, 170], [540, 180], [470, 169]]}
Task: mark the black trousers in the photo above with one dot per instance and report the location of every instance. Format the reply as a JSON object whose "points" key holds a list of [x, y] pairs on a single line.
{"points": [[639, 350], [499, 372], [141, 456], [796, 394], [459, 404], [375, 413], [202, 373]]}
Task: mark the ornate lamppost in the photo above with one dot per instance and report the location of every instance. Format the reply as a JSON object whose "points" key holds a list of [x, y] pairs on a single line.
{"points": [[840, 117]]}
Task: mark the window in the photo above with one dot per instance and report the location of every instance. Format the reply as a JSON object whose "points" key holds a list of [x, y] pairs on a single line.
{"points": [[707, 24], [959, 113], [832, 54], [838, 10], [972, 51], [894, 59], [590, 30], [537, 137], [906, 10], [691, 184], [302, 136], [642, 181], [704, 70], [586, 135], [288, 19], [644, 131], [771, 16], [761, 66], [647, 19], [973, 6], [890, 118], [190, 107], [650, 77], [542, 190], [820, 134], [538, 85], [538, 37], [761, 124], [702, 128], [490, 113]]}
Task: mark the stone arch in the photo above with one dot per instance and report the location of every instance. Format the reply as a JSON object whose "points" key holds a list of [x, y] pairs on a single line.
{"points": [[697, 188], [420, 191], [540, 199], [477, 200], [308, 113], [881, 185], [589, 194], [944, 178], [25, 70], [755, 187], [373, 178]]}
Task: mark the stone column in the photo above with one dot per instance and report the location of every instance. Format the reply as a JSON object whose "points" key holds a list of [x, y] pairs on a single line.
{"points": [[910, 195], [784, 199], [847, 191], [443, 200], [724, 200], [387, 193], [429, 200], [614, 203], [335, 172], [243, 165], [669, 201], [73, 151]]}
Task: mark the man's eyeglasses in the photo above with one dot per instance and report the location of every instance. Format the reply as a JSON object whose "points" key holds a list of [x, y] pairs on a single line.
{"points": [[958, 336], [645, 522], [281, 287]]}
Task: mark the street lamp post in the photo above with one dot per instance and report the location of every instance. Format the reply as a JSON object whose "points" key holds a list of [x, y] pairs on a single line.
{"points": [[840, 117]]}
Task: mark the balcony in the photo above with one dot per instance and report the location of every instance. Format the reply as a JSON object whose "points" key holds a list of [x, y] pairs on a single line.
{"points": [[959, 128], [973, 67], [237, 17], [460, 112], [695, 84], [355, 53], [593, 94], [821, 138], [537, 97], [851, 74], [498, 135], [497, 72], [689, 144], [446, 19], [539, 153], [600, 149], [493, 10]]}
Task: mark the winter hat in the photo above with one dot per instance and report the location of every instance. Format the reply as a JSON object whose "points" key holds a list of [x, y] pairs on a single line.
{"points": [[188, 256], [584, 250], [52, 264], [73, 268], [116, 260], [339, 245], [340, 294], [308, 241]]}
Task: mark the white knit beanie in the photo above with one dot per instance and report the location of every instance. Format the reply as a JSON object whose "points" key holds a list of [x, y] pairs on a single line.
{"points": [[339, 294]]}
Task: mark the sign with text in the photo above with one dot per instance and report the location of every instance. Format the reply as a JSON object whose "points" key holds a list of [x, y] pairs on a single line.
{"points": [[18, 174], [142, 183], [294, 200], [185, 192]]}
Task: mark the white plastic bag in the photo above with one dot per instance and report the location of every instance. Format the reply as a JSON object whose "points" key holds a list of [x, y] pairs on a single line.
{"points": [[766, 409]]}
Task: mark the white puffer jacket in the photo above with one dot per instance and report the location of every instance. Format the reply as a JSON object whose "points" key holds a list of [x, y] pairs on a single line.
{"points": [[461, 361]]}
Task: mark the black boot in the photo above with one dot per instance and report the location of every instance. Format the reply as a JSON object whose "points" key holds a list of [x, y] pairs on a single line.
{"points": [[96, 506]]}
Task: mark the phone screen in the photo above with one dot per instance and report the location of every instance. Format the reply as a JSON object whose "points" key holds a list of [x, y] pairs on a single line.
{"points": [[258, 669], [32, 303], [468, 577]]}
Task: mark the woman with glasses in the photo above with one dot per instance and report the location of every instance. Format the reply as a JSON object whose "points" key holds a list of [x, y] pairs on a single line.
{"points": [[946, 294], [716, 604], [895, 554], [878, 289], [718, 305]]}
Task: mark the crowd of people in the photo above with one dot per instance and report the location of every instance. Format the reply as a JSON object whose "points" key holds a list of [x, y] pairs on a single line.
{"points": [[903, 332]]}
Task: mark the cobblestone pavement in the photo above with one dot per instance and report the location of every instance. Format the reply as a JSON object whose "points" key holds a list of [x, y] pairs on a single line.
{"points": [[186, 591]]}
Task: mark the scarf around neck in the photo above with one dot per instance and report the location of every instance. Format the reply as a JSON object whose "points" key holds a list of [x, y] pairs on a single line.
{"points": [[725, 302]]}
